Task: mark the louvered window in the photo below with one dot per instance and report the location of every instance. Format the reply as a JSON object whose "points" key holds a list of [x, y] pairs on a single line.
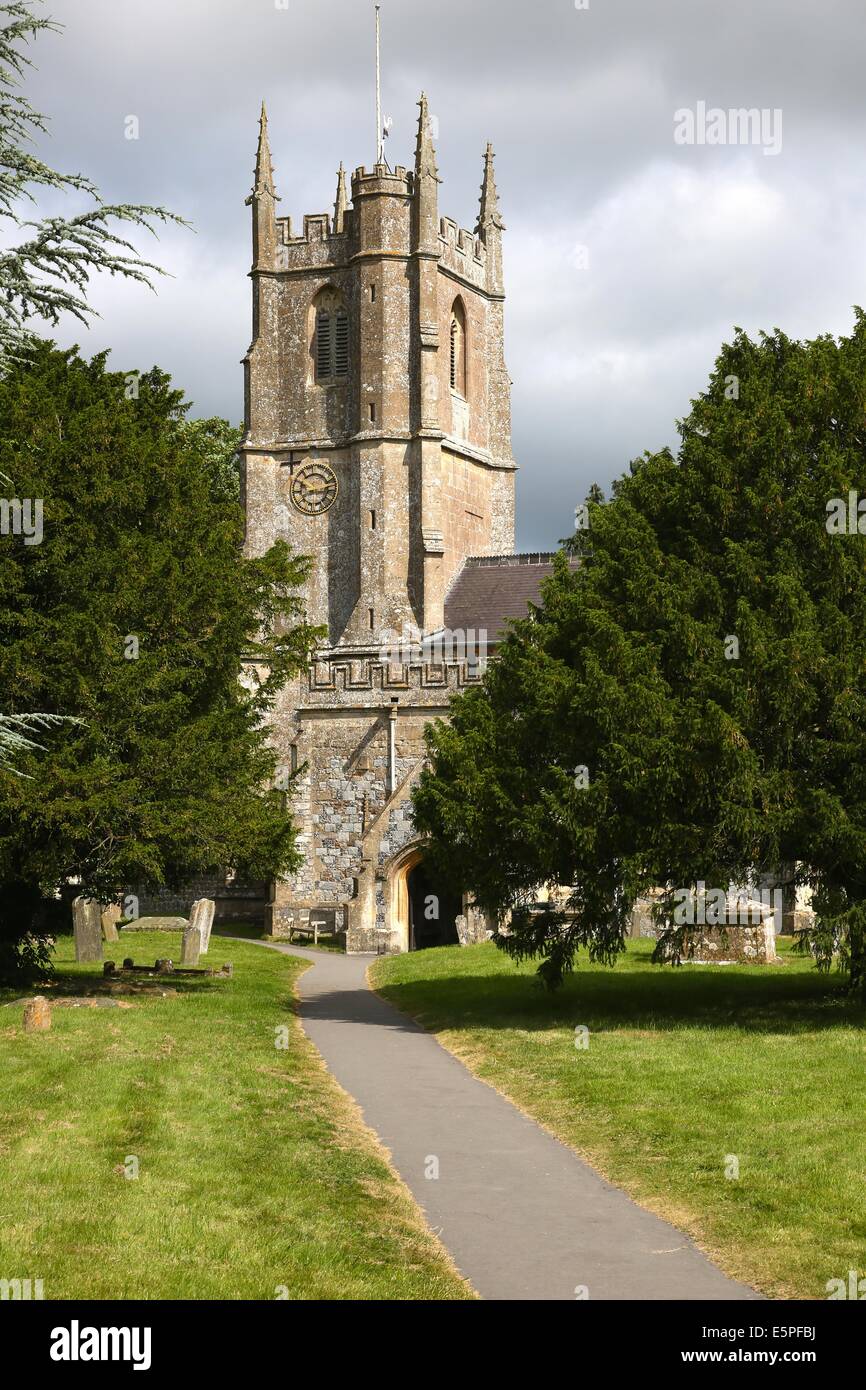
{"points": [[332, 344], [323, 346], [341, 343]]}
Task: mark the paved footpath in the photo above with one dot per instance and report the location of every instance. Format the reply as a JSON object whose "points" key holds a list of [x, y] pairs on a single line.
{"points": [[522, 1216]]}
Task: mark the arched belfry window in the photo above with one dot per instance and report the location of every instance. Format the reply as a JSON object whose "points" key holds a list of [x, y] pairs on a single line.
{"points": [[458, 348], [331, 337]]}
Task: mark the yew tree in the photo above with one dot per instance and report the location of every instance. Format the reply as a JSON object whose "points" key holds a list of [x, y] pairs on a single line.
{"points": [[136, 621], [689, 703]]}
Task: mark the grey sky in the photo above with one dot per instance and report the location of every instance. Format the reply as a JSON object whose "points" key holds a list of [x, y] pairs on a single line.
{"points": [[605, 347]]}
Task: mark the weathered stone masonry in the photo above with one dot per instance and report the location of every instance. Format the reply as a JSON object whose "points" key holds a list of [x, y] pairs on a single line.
{"points": [[378, 441]]}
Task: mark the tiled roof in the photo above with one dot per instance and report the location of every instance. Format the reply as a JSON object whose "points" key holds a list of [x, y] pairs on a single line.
{"points": [[490, 589]]}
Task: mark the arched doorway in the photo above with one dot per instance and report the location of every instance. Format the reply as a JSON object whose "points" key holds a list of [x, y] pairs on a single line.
{"points": [[424, 911], [432, 910]]}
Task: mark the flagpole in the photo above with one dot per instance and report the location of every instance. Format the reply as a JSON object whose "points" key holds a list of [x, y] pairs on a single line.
{"points": [[380, 152]]}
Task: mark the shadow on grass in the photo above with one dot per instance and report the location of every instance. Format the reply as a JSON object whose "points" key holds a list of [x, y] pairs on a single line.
{"points": [[64, 985], [771, 999]]}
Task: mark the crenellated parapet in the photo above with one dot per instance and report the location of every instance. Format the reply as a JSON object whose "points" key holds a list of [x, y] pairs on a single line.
{"points": [[382, 180], [462, 252], [459, 250], [318, 246], [341, 681]]}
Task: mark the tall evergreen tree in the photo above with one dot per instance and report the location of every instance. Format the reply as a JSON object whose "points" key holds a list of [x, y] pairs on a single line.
{"points": [[690, 703], [219, 444], [136, 613], [46, 273]]}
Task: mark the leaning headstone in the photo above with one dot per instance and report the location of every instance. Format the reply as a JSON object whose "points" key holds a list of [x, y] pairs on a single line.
{"points": [[111, 915], [191, 946], [209, 920], [37, 1015], [87, 924], [202, 916]]}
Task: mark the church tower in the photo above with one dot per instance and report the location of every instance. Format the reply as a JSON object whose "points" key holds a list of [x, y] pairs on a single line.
{"points": [[378, 442]]}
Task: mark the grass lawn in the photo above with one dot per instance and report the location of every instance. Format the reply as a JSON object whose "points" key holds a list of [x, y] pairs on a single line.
{"points": [[684, 1069], [257, 1177]]}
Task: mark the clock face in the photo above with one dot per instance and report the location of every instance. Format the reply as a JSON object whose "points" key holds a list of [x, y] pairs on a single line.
{"points": [[314, 488]]}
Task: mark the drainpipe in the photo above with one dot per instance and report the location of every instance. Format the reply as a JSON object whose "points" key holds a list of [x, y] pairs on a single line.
{"points": [[392, 746]]}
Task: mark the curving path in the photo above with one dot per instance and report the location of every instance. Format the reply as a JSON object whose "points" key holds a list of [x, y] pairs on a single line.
{"points": [[521, 1215]]}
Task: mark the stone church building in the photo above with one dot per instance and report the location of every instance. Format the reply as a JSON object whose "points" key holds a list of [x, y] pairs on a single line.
{"points": [[378, 442]]}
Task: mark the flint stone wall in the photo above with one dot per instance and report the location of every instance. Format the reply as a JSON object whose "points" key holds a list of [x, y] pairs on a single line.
{"points": [[233, 902], [352, 809]]}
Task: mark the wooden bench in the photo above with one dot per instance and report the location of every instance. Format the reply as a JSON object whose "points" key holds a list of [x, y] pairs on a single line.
{"points": [[313, 924], [312, 927]]}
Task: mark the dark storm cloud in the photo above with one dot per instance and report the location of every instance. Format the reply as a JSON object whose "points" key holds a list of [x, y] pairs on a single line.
{"points": [[629, 258]]}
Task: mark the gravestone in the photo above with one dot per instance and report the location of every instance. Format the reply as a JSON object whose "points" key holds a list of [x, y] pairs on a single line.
{"points": [[191, 945], [209, 920], [37, 1015], [472, 928], [87, 925], [798, 915], [477, 925], [111, 915], [202, 916], [641, 921]]}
